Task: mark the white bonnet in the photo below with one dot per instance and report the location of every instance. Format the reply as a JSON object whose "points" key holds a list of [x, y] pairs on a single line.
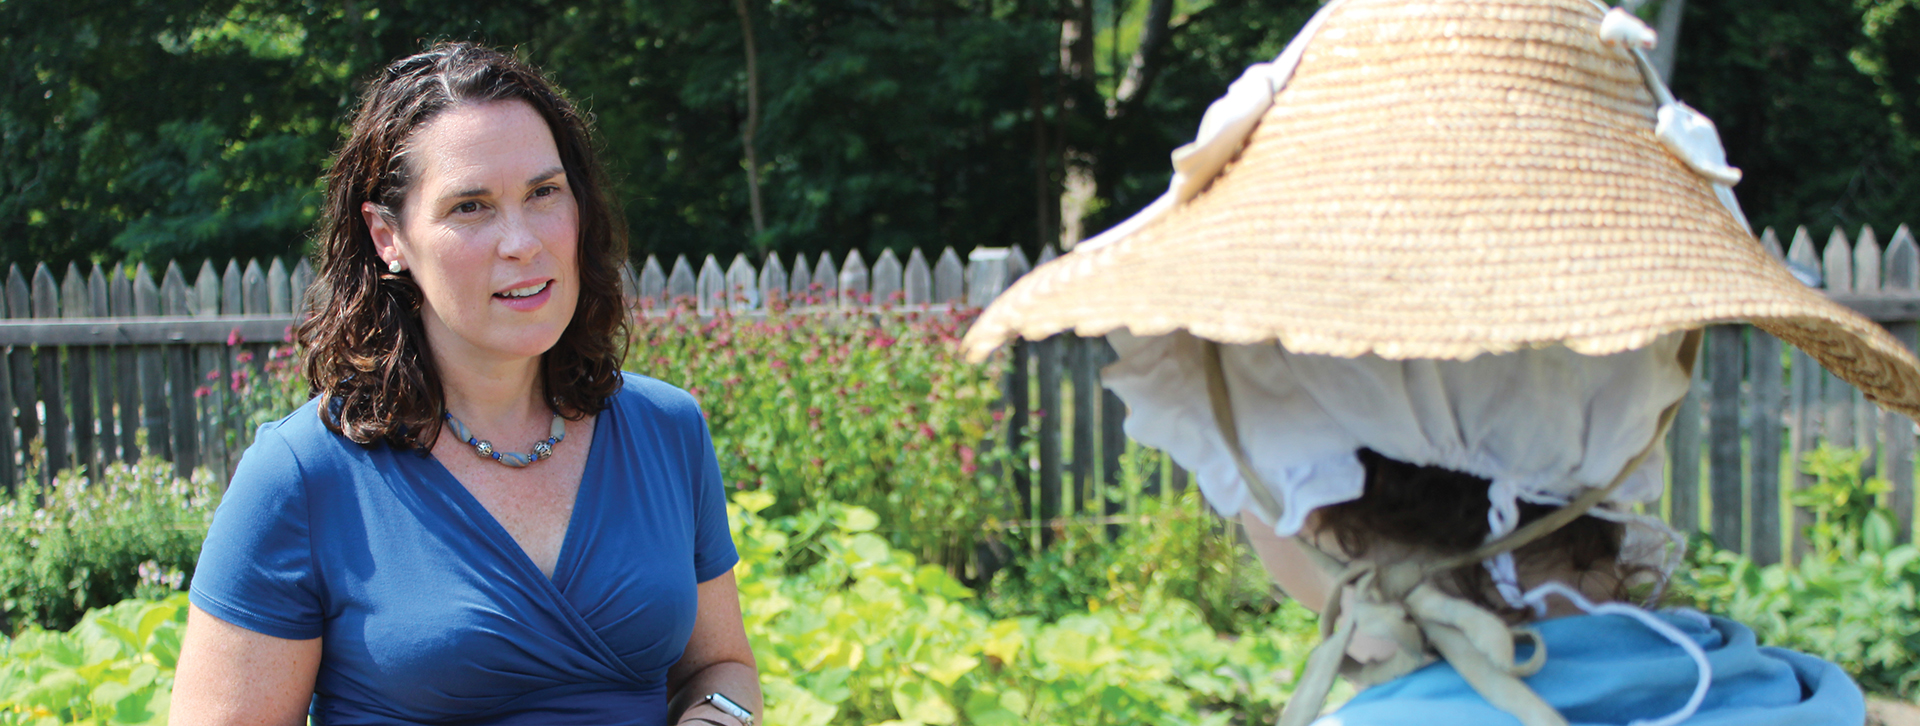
{"points": [[1541, 424]]}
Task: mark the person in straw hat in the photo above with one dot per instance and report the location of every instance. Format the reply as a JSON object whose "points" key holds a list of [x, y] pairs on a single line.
{"points": [[1417, 308]]}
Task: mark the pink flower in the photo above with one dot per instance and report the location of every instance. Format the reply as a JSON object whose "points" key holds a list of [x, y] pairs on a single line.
{"points": [[967, 465], [235, 338], [244, 357], [202, 392]]}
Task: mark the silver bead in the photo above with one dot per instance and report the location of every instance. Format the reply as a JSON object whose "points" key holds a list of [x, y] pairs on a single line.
{"points": [[485, 449], [542, 450]]}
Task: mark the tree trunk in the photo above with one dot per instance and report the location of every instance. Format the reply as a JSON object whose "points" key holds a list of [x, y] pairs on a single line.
{"points": [[1079, 93], [752, 125]]}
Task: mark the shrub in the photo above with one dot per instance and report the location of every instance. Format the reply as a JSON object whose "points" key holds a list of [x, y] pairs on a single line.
{"points": [[80, 544], [845, 406], [1852, 599]]}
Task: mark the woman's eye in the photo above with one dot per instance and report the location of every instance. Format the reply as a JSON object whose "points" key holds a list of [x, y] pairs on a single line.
{"points": [[546, 191], [466, 208]]}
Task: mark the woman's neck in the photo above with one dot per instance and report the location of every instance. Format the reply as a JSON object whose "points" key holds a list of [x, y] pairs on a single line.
{"points": [[486, 395]]}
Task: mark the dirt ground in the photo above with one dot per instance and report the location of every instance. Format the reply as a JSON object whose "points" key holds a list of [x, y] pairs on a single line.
{"points": [[1892, 713]]}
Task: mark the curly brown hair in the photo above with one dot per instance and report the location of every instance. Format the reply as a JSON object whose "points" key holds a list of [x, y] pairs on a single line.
{"points": [[364, 343], [1445, 512]]}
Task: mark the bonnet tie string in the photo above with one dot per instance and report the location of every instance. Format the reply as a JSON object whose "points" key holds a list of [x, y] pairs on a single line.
{"points": [[1397, 602]]}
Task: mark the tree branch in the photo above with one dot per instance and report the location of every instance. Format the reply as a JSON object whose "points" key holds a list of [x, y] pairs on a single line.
{"points": [[1145, 64]]}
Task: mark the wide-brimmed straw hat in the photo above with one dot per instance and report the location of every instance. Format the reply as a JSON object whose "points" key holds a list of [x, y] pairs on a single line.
{"points": [[1442, 179]]}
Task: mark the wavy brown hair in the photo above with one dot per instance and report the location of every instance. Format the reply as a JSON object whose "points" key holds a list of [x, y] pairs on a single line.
{"points": [[365, 346], [1445, 512]]}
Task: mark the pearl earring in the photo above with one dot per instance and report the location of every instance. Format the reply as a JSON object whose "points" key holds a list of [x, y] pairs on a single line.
{"points": [[395, 267]]}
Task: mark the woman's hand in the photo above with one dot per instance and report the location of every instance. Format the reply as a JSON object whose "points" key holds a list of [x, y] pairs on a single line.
{"points": [[231, 675], [718, 659]]}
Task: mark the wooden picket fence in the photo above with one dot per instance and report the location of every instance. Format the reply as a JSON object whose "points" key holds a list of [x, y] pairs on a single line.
{"points": [[110, 365]]}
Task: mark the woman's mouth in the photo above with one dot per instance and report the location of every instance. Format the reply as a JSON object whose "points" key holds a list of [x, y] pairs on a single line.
{"points": [[524, 292], [527, 298]]}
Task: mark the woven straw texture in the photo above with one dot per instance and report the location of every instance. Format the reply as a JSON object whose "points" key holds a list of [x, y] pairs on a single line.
{"points": [[1442, 179]]}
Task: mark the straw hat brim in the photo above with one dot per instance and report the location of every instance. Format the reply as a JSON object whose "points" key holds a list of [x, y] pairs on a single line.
{"points": [[1442, 180]]}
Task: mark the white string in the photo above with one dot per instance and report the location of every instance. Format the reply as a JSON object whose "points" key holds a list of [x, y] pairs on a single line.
{"points": [[1538, 598]]}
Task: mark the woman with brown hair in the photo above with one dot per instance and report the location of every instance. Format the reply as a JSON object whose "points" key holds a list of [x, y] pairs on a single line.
{"points": [[376, 559], [1417, 309]]}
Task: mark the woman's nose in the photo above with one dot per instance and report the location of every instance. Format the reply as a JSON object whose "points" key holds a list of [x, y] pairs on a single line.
{"points": [[519, 240]]}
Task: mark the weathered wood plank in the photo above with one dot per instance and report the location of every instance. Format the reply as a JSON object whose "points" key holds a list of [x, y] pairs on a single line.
{"points": [[987, 274], [1113, 442], [233, 299], [653, 284], [25, 383], [1726, 355], [1901, 272], [120, 294], [1016, 393], [916, 282], [711, 287], [174, 300], [886, 279], [213, 369], [1866, 261], [1767, 405], [76, 301], [9, 471], [255, 298], [1684, 446], [773, 282], [1836, 416], [800, 282], [279, 292], [681, 286], [743, 285], [297, 283], [1047, 378], [1084, 463], [1837, 262], [1017, 263], [949, 279], [53, 396], [826, 280], [154, 416], [105, 382], [854, 281], [1771, 243], [144, 331], [1802, 261]]}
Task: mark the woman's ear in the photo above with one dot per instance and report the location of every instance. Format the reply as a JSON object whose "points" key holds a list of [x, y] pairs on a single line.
{"points": [[385, 243]]}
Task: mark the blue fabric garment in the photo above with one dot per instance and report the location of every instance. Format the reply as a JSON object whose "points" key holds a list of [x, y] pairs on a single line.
{"points": [[1612, 669], [430, 612]]}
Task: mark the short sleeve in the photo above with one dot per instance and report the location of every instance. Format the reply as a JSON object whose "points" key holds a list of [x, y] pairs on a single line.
{"points": [[713, 550], [256, 568]]}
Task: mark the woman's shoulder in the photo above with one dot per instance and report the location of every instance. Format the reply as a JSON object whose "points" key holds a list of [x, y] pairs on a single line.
{"points": [[651, 397], [303, 440]]}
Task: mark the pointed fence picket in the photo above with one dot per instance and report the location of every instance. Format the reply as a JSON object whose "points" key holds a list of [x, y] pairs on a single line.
{"points": [[120, 364]]}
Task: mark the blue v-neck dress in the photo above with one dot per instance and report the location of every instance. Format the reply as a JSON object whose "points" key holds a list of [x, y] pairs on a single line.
{"points": [[430, 613]]}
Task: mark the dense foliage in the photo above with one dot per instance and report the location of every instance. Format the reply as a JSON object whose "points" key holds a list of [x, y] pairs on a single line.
{"points": [[79, 544], [875, 410], [158, 129], [1853, 599]]}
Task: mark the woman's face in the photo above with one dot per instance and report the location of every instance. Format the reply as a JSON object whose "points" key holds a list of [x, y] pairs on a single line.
{"points": [[489, 231]]}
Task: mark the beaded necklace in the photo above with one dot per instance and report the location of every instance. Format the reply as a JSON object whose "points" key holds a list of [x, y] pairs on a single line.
{"points": [[541, 449]]}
